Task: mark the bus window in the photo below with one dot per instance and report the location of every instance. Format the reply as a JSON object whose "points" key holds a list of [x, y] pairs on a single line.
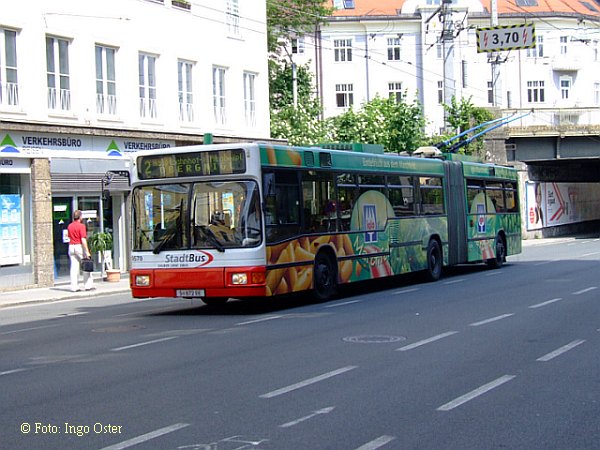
{"points": [[432, 195], [282, 206], [319, 204], [401, 195], [510, 193], [347, 195], [494, 191], [474, 188]]}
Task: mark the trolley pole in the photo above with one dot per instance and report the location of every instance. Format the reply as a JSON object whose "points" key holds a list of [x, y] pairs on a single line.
{"points": [[494, 59], [448, 51]]}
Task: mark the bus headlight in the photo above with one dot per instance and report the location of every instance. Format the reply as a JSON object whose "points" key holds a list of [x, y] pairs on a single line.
{"points": [[239, 278], [142, 280]]}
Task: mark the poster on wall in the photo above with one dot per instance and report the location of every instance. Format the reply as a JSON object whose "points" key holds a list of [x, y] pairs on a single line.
{"points": [[11, 251], [553, 204]]}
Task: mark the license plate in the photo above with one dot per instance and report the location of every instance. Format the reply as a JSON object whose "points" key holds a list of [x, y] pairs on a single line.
{"points": [[189, 292]]}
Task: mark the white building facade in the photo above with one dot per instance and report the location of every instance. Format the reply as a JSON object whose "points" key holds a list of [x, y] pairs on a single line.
{"points": [[82, 84], [402, 47]]}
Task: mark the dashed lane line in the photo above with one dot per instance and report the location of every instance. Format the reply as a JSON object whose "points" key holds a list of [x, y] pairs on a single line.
{"points": [[141, 344], [377, 443], [147, 437], [426, 341], [547, 302], [308, 382], [583, 291], [561, 350], [475, 393], [493, 319]]}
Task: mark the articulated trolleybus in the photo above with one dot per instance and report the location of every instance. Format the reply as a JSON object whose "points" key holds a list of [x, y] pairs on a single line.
{"points": [[257, 220]]}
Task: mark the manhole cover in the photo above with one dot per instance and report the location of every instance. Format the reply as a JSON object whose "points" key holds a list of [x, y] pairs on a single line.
{"points": [[373, 339], [118, 329]]}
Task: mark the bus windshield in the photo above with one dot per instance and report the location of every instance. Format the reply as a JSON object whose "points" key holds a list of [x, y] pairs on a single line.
{"points": [[205, 215]]}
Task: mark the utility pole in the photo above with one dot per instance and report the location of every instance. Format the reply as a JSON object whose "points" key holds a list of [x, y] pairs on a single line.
{"points": [[494, 59], [448, 51]]}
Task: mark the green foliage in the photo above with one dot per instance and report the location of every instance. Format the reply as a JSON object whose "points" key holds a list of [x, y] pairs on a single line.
{"points": [[100, 242], [397, 125], [288, 17], [464, 115]]}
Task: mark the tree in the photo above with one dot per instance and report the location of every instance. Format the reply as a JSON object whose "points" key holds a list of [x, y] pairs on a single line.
{"points": [[286, 18], [464, 115], [395, 124]]}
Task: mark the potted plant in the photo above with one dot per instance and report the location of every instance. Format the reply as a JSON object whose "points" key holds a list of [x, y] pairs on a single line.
{"points": [[102, 243]]}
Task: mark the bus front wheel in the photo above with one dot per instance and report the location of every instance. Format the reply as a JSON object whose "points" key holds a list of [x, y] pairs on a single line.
{"points": [[324, 277], [434, 261]]}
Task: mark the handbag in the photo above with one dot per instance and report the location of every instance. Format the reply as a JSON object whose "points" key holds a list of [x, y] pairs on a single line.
{"points": [[87, 265]]}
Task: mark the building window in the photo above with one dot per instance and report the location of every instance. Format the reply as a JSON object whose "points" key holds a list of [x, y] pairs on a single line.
{"points": [[147, 73], [565, 87], [439, 51], [564, 43], [219, 95], [184, 91], [490, 92], [597, 93], [342, 49], [343, 4], [57, 74], [535, 92], [393, 49], [9, 87], [344, 97], [395, 91], [233, 17], [249, 99], [298, 45], [106, 83], [538, 50], [440, 91]]}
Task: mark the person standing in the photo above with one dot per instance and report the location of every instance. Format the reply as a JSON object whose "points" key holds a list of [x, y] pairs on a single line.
{"points": [[78, 249]]}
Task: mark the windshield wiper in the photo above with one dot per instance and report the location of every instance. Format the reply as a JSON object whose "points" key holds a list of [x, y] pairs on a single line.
{"points": [[210, 235], [167, 237]]}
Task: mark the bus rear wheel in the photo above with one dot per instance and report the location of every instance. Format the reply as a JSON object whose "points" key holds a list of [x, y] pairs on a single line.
{"points": [[324, 277], [496, 263], [434, 261]]}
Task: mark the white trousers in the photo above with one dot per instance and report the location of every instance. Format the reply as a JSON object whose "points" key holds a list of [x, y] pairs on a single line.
{"points": [[76, 255]]}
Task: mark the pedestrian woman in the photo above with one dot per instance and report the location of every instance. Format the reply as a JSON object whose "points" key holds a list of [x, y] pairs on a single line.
{"points": [[78, 249]]}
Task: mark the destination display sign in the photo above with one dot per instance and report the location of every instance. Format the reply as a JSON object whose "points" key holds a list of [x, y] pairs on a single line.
{"points": [[173, 165], [510, 37]]}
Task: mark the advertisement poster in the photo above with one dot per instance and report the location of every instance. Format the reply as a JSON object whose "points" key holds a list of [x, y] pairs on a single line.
{"points": [[552, 204], [10, 230]]}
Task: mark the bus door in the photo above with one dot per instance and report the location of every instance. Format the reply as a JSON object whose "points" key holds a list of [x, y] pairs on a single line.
{"points": [[457, 217]]}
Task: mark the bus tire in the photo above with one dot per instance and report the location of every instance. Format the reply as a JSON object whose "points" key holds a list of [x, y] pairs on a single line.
{"points": [[496, 263], [324, 277], [434, 261], [215, 301]]}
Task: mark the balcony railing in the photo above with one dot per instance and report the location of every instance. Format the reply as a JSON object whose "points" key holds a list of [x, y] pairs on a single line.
{"points": [[554, 121], [9, 94], [220, 115], [148, 108], [106, 104], [186, 112], [59, 99]]}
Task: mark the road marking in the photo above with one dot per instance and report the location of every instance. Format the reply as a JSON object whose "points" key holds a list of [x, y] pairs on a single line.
{"points": [[28, 329], [539, 305], [141, 344], [146, 437], [405, 291], [262, 319], [475, 393], [493, 319], [560, 351], [494, 273], [590, 254], [426, 341], [460, 280], [583, 291], [342, 304], [545, 262], [305, 383], [377, 443], [310, 416], [8, 372]]}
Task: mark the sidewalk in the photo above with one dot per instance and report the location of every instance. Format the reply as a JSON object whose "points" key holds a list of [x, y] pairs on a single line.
{"points": [[63, 292]]}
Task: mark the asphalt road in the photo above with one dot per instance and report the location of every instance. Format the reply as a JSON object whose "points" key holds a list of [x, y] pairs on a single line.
{"points": [[482, 359]]}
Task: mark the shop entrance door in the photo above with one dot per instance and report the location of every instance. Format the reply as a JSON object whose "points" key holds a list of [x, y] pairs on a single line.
{"points": [[61, 218]]}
